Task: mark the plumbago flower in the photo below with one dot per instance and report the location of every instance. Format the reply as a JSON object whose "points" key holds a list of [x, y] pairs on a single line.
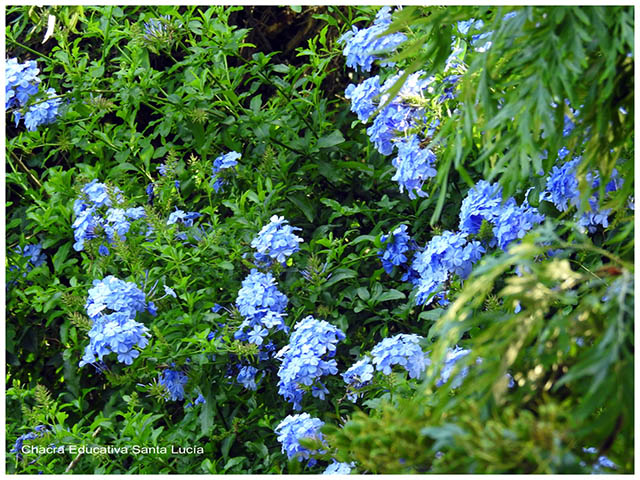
{"points": [[95, 212], [510, 222], [362, 47], [402, 349], [445, 255], [37, 432], [22, 83], [339, 468], [357, 376], [112, 305], [307, 358], [276, 240], [174, 381], [414, 166], [398, 246], [562, 190], [296, 427], [223, 162]]}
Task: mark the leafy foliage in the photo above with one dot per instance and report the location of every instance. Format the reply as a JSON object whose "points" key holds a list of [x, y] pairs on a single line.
{"points": [[204, 183]]}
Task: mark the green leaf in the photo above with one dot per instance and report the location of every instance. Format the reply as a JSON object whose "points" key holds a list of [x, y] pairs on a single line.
{"points": [[334, 138]]}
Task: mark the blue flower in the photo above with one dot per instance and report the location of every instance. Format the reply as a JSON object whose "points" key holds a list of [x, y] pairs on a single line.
{"points": [[562, 186], [180, 216], [33, 253], [39, 431], [364, 46], [481, 203], [339, 468], [452, 357], [223, 162], [43, 112], [174, 381], [277, 240], [414, 166], [307, 358], [156, 28], [103, 250], [246, 377], [401, 114], [362, 97], [444, 255], [296, 427], [402, 349], [260, 294], [21, 82], [514, 221], [357, 376], [396, 249], [116, 295], [601, 462], [170, 291], [115, 333]]}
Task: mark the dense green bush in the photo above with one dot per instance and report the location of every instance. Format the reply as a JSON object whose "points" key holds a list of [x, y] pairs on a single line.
{"points": [[125, 171]]}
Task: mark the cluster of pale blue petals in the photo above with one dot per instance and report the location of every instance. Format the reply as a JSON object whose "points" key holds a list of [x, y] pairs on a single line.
{"points": [[180, 217], [562, 190], [362, 46], [22, 83], [391, 127], [174, 381], [94, 212], [112, 305], [339, 468], [262, 305], [223, 162], [509, 221], [307, 358], [34, 255], [600, 463], [276, 241], [246, 377], [398, 245], [402, 349], [444, 256], [358, 376], [38, 431], [296, 427], [414, 166]]}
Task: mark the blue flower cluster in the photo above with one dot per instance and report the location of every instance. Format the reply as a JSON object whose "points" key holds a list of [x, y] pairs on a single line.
{"points": [[199, 400], [402, 349], [276, 240], [174, 381], [22, 83], [308, 357], [357, 376], [94, 213], [156, 28], [453, 355], [562, 190], [445, 255], [399, 244], [246, 377], [601, 462], [223, 162], [364, 46], [112, 304], [37, 432], [339, 468], [510, 222], [414, 166], [262, 305], [116, 295], [296, 427], [184, 218], [34, 254]]}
